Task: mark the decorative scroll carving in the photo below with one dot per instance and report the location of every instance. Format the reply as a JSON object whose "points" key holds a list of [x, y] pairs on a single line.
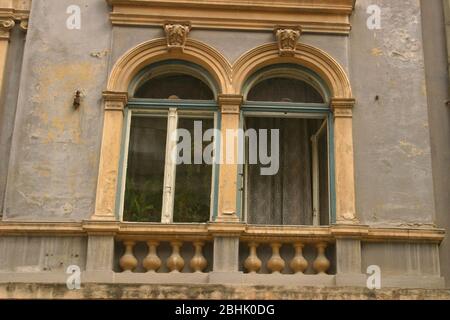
{"points": [[5, 26], [287, 38], [176, 35], [24, 25]]}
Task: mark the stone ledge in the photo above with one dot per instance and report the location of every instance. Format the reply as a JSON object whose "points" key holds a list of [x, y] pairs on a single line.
{"points": [[212, 292]]}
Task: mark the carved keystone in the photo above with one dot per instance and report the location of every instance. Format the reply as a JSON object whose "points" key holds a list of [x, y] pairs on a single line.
{"points": [[287, 39]]}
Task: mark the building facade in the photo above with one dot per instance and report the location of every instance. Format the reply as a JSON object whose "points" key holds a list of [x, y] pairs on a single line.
{"points": [[93, 93]]}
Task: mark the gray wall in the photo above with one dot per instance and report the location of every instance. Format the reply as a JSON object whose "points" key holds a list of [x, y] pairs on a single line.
{"points": [[8, 103], [54, 158], [439, 114], [394, 183], [55, 152], [39, 254]]}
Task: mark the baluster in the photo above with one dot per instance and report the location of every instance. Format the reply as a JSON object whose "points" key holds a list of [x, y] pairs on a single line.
{"points": [[198, 261], [128, 262], [175, 262], [321, 264], [152, 262], [252, 263], [276, 263], [299, 264]]}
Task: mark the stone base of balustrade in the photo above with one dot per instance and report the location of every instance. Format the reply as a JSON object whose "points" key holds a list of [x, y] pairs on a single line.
{"points": [[220, 278], [57, 289]]}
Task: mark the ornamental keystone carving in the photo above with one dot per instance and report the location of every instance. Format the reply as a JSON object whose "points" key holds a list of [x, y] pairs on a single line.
{"points": [[287, 38], [176, 35]]}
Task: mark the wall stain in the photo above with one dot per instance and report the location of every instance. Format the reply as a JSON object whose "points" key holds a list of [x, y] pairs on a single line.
{"points": [[410, 149]]}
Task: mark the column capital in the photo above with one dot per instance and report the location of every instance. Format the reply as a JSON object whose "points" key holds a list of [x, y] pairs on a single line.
{"points": [[230, 103], [115, 96], [115, 101], [342, 107], [24, 25], [5, 27], [342, 102], [230, 99]]}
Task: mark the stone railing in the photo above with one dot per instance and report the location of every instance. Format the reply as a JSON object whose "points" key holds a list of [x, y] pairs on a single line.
{"points": [[287, 250], [298, 263], [190, 249], [219, 253], [164, 249], [175, 262]]}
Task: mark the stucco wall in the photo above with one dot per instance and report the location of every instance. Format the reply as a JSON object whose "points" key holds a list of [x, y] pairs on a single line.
{"points": [[211, 292], [439, 114], [392, 143], [8, 104], [55, 149]]}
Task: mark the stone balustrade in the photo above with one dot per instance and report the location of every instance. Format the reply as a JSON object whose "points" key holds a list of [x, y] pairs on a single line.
{"points": [[189, 249], [297, 263], [181, 259]]}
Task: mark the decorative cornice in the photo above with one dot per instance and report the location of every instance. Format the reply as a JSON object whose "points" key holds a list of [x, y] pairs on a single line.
{"points": [[244, 231], [321, 16]]}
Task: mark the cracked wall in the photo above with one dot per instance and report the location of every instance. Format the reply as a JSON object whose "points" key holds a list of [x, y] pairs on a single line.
{"points": [[54, 161], [394, 184]]}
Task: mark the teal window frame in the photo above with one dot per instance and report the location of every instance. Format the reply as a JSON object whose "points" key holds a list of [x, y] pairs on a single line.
{"points": [[136, 105], [313, 110]]}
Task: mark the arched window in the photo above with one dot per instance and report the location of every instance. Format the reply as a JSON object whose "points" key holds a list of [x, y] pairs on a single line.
{"points": [[173, 104], [290, 105], [281, 89], [181, 86]]}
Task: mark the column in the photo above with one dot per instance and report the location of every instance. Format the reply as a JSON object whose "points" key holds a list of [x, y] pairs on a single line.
{"points": [[344, 162], [228, 178], [5, 27], [105, 203], [170, 168]]}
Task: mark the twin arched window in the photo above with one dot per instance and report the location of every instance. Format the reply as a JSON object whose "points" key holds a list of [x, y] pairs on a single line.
{"points": [[175, 95]]}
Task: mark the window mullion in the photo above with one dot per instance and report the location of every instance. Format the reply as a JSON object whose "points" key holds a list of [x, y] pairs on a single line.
{"points": [[170, 168]]}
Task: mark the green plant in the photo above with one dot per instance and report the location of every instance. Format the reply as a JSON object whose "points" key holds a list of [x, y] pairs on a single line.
{"points": [[142, 201]]}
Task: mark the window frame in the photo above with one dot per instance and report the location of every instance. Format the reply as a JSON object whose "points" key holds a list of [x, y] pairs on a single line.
{"points": [[137, 105], [290, 109]]}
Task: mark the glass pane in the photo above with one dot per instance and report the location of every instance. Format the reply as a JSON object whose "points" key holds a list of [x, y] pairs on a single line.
{"points": [[145, 173], [286, 197], [193, 181], [175, 86], [284, 90]]}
